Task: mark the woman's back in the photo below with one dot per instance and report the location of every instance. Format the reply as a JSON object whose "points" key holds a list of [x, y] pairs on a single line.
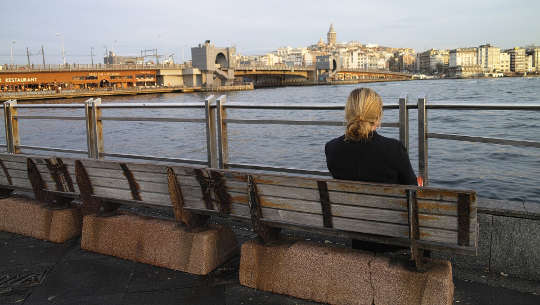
{"points": [[376, 159]]}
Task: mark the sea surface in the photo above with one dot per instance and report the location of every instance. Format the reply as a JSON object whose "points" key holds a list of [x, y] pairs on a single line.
{"points": [[494, 171]]}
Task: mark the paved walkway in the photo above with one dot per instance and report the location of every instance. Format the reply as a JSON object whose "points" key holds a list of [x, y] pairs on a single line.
{"points": [[36, 272]]}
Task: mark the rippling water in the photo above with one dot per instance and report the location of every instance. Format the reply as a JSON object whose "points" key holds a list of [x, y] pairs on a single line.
{"points": [[494, 171]]}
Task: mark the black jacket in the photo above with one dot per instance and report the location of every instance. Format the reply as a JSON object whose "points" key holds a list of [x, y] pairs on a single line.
{"points": [[377, 159]]}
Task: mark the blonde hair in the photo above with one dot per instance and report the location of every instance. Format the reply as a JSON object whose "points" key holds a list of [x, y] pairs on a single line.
{"points": [[362, 111]]}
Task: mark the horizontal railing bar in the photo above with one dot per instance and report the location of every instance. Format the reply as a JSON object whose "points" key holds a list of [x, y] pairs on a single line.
{"points": [[151, 105], [296, 122], [66, 106], [149, 119], [278, 169], [46, 117], [483, 140], [153, 158], [295, 107], [284, 122], [523, 107], [71, 151]]}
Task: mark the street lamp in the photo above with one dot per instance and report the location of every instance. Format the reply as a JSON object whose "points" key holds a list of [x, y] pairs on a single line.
{"points": [[63, 54], [12, 43]]}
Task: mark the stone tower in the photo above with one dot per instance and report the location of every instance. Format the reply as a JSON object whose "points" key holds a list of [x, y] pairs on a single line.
{"points": [[331, 36]]}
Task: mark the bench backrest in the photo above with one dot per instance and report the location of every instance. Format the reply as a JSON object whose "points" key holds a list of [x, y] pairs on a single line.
{"points": [[445, 218], [14, 172]]}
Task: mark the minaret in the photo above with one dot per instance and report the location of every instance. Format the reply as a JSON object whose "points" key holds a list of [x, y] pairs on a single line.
{"points": [[331, 36]]}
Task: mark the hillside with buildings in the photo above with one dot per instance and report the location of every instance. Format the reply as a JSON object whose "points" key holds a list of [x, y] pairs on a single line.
{"points": [[482, 61]]}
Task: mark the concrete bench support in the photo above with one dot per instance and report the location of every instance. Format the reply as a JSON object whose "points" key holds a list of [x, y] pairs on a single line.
{"points": [[159, 242], [31, 218], [342, 276]]}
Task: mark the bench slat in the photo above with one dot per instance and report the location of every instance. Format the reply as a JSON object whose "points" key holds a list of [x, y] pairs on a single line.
{"points": [[154, 198]]}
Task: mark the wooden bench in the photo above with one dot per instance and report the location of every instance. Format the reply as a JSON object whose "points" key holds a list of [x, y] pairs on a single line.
{"points": [[435, 218], [187, 243]]}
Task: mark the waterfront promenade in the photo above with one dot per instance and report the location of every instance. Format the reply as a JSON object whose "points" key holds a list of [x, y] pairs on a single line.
{"points": [[34, 272]]}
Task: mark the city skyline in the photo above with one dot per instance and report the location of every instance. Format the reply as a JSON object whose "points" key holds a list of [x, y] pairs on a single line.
{"points": [[175, 27]]}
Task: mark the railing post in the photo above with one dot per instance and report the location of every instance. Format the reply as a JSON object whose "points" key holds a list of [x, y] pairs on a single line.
{"points": [[422, 139], [94, 129], [223, 143], [404, 121], [90, 138], [12, 127], [98, 128], [210, 114]]}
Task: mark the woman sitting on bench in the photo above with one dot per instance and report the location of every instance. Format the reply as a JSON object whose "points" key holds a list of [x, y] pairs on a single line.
{"points": [[361, 154]]}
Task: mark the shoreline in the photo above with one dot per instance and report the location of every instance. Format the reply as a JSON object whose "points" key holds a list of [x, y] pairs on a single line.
{"points": [[35, 96]]}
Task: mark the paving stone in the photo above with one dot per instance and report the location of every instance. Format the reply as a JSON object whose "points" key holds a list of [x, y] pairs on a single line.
{"points": [[191, 296], [77, 279], [516, 247], [149, 278]]}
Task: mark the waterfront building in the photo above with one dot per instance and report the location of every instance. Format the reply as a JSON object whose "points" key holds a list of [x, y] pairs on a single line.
{"points": [[463, 62], [536, 59], [517, 60], [78, 78], [489, 57], [331, 36], [530, 65], [433, 61], [464, 57], [504, 62]]}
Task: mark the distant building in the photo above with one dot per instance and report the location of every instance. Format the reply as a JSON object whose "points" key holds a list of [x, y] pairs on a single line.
{"points": [[112, 59], [463, 62], [331, 36], [464, 57], [433, 61], [517, 60], [504, 62], [536, 59], [530, 63], [489, 57]]}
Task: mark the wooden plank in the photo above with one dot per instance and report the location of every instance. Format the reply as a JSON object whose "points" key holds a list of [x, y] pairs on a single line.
{"points": [[288, 192], [16, 165], [154, 198], [19, 173], [392, 203], [140, 167], [14, 158]]}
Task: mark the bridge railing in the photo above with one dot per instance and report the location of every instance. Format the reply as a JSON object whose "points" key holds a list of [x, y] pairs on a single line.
{"points": [[85, 67]]}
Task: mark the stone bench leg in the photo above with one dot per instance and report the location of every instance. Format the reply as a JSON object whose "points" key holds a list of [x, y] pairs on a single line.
{"points": [[342, 276], [159, 242]]}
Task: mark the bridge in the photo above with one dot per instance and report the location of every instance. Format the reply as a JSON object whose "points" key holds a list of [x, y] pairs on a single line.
{"points": [[281, 74]]}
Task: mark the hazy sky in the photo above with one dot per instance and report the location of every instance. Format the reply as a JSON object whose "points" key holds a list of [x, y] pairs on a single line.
{"points": [[255, 27]]}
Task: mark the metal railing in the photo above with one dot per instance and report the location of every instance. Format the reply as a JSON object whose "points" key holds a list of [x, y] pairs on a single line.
{"points": [[94, 125], [424, 135], [216, 121], [221, 147]]}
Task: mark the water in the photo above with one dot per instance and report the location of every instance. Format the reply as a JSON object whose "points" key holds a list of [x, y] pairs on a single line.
{"points": [[494, 171]]}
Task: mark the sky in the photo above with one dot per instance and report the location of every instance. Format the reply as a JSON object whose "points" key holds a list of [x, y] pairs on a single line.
{"points": [[254, 27]]}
